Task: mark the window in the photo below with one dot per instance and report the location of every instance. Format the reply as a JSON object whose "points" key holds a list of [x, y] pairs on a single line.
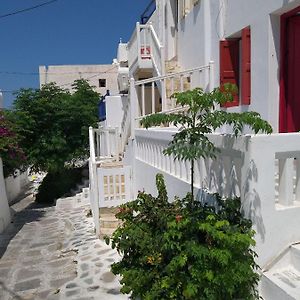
{"points": [[102, 82], [230, 67]]}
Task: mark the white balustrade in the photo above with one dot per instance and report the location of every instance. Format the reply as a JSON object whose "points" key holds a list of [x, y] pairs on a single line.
{"points": [[146, 93]]}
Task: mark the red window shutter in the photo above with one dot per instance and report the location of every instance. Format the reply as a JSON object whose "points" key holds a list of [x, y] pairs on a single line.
{"points": [[246, 66], [229, 66]]}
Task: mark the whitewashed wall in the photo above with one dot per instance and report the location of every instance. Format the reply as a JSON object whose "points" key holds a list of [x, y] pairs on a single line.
{"points": [[213, 20], [115, 108], [5, 217], [15, 185], [239, 170]]}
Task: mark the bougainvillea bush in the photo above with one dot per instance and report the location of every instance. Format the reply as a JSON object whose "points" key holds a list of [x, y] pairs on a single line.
{"points": [[12, 155], [185, 249]]}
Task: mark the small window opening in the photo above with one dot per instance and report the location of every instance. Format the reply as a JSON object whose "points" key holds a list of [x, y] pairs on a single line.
{"points": [[102, 82]]}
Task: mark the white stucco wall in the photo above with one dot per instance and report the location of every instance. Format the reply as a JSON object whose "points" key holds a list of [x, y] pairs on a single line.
{"points": [[5, 217], [239, 170], [65, 75], [213, 20], [115, 108], [15, 185]]}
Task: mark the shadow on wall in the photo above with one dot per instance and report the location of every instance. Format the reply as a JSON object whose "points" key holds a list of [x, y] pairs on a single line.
{"points": [[229, 176]]}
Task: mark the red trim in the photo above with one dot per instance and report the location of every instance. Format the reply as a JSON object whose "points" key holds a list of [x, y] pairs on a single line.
{"points": [[229, 66], [282, 82], [246, 67]]}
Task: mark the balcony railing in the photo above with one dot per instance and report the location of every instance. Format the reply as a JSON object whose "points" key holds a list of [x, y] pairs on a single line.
{"points": [[154, 95], [145, 50]]}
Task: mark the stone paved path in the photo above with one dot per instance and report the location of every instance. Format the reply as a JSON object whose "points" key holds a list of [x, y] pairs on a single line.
{"points": [[52, 253]]}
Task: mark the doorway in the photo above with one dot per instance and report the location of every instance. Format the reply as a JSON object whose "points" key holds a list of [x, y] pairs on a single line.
{"points": [[290, 72]]}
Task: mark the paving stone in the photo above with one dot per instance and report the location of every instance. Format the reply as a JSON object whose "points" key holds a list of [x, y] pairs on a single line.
{"points": [[61, 281], [71, 285], [43, 294], [84, 258], [84, 275], [103, 251], [93, 288], [84, 267], [33, 253], [27, 285], [59, 263], [108, 277], [99, 264], [8, 263], [114, 292], [89, 281], [72, 293], [33, 262], [4, 272], [27, 273]]}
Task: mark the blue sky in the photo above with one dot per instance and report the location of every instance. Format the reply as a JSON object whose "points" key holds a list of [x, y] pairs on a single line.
{"points": [[64, 32]]}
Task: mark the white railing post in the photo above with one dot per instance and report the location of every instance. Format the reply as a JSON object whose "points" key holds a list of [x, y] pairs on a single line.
{"points": [[94, 192], [211, 84], [138, 36], [133, 105]]}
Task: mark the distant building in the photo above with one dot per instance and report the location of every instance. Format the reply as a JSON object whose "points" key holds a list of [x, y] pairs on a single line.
{"points": [[102, 77]]}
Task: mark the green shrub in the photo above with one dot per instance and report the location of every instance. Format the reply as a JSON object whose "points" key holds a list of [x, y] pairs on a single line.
{"points": [[184, 249], [57, 184]]}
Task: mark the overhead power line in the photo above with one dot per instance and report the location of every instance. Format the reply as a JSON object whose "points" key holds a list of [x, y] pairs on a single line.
{"points": [[51, 73], [27, 9]]}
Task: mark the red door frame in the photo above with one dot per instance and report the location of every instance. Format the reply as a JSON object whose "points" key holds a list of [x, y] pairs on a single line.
{"points": [[283, 69]]}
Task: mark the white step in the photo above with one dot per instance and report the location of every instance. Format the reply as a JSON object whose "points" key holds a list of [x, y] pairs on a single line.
{"points": [[281, 284]]}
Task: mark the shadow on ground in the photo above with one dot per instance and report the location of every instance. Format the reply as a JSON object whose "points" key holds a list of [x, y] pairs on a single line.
{"points": [[29, 212]]}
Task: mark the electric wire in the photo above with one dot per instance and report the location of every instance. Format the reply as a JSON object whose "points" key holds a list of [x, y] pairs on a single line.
{"points": [[27, 9]]}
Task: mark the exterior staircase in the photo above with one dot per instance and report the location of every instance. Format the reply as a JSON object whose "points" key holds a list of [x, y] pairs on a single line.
{"points": [[281, 280], [108, 222]]}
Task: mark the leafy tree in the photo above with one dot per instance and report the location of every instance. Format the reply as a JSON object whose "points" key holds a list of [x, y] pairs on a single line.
{"points": [[53, 124], [201, 118]]}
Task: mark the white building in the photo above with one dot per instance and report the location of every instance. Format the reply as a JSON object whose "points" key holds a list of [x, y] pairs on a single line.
{"points": [[191, 43], [102, 77]]}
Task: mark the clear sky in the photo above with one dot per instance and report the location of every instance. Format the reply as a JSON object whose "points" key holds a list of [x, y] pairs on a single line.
{"points": [[63, 32]]}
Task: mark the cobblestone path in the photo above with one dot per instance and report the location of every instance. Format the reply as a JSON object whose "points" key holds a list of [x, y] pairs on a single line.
{"points": [[52, 253]]}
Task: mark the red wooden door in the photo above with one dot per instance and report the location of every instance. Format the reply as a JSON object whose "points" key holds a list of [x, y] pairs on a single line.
{"points": [[292, 80]]}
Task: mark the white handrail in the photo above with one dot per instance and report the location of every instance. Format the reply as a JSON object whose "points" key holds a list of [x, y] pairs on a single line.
{"points": [[171, 75]]}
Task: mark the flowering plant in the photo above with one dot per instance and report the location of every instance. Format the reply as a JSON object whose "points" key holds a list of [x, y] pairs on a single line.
{"points": [[12, 155]]}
